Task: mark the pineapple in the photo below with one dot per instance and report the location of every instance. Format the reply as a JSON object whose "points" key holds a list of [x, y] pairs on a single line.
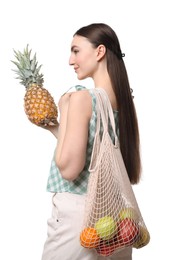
{"points": [[39, 105]]}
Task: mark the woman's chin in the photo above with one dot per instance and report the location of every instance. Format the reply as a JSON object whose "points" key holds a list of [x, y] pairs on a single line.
{"points": [[80, 77]]}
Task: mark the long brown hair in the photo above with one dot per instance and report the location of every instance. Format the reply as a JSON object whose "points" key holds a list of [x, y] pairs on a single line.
{"points": [[100, 33]]}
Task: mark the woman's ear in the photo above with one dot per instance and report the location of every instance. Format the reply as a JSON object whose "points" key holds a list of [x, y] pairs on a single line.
{"points": [[101, 50]]}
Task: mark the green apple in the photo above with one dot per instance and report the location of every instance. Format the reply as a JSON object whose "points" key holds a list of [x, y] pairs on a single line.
{"points": [[106, 227], [128, 213]]}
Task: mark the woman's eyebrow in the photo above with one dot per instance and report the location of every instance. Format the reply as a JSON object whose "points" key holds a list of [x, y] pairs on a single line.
{"points": [[73, 46]]}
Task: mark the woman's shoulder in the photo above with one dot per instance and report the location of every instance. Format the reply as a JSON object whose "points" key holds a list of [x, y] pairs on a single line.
{"points": [[81, 96], [82, 101]]}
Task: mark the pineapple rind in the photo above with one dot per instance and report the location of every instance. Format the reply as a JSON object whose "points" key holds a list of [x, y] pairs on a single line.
{"points": [[40, 107]]}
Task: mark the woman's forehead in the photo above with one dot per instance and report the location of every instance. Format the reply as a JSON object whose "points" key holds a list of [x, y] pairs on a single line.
{"points": [[79, 40]]}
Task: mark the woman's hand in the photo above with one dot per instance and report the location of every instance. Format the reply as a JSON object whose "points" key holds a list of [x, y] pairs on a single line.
{"points": [[52, 128], [63, 107]]}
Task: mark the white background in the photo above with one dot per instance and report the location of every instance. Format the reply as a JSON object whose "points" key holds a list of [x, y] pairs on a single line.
{"points": [[26, 150]]}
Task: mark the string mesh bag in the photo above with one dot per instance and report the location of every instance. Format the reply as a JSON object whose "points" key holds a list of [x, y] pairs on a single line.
{"points": [[112, 218]]}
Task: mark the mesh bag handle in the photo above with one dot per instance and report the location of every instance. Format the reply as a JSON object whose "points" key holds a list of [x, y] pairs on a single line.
{"points": [[112, 219]]}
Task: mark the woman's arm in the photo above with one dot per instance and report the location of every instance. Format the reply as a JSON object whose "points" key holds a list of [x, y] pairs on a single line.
{"points": [[75, 114]]}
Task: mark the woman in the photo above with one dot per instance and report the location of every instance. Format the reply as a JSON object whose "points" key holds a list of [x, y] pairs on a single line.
{"points": [[95, 53]]}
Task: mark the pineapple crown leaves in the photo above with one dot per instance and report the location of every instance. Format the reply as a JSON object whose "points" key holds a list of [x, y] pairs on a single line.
{"points": [[28, 70]]}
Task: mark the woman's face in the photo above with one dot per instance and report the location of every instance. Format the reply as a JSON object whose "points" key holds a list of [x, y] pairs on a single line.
{"points": [[83, 57]]}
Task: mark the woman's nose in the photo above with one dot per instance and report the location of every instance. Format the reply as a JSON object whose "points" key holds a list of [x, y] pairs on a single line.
{"points": [[71, 62]]}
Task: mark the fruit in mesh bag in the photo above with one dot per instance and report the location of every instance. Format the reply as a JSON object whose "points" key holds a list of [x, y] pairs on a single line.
{"points": [[39, 105], [89, 238], [128, 231], [106, 227], [106, 249], [143, 238], [128, 213]]}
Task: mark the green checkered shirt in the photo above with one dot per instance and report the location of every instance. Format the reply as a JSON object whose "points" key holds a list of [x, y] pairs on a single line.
{"points": [[79, 186]]}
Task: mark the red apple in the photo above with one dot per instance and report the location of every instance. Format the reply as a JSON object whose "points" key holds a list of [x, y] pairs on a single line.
{"points": [[106, 250], [128, 231], [107, 247]]}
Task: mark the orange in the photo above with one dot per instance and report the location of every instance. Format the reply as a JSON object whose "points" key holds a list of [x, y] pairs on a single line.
{"points": [[89, 238]]}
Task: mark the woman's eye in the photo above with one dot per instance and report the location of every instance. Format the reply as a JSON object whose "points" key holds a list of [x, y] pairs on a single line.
{"points": [[75, 51]]}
